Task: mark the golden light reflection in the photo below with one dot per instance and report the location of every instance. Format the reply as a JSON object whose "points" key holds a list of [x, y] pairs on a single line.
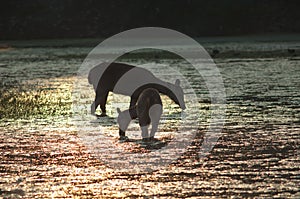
{"points": [[255, 157], [37, 98]]}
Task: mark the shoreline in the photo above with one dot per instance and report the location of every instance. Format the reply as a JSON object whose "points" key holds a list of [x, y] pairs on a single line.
{"points": [[92, 42], [251, 46]]}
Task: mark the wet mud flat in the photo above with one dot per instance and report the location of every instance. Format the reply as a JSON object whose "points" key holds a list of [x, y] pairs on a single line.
{"points": [[42, 156]]}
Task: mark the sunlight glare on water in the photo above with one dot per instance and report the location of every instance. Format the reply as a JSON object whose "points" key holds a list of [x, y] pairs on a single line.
{"points": [[43, 156]]}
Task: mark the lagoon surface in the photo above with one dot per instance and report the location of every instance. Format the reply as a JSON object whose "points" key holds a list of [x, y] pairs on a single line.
{"points": [[257, 155]]}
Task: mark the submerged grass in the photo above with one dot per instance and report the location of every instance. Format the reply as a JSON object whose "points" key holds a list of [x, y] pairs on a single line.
{"points": [[21, 102]]}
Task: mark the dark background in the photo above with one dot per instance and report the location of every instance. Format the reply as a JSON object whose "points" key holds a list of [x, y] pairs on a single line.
{"points": [[43, 19]]}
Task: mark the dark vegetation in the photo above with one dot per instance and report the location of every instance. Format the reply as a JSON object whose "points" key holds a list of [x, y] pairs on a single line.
{"points": [[39, 19]]}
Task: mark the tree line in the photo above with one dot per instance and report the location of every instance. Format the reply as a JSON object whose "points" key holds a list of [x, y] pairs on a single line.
{"points": [[35, 19]]}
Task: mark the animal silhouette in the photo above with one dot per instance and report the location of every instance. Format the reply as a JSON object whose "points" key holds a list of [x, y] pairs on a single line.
{"points": [[128, 80], [148, 110]]}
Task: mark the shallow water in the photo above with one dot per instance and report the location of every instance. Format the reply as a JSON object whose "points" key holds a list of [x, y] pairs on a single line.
{"points": [[42, 154]]}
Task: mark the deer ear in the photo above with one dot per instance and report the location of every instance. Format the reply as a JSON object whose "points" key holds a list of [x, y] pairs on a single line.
{"points": [[177, 82], [119, 111]]}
